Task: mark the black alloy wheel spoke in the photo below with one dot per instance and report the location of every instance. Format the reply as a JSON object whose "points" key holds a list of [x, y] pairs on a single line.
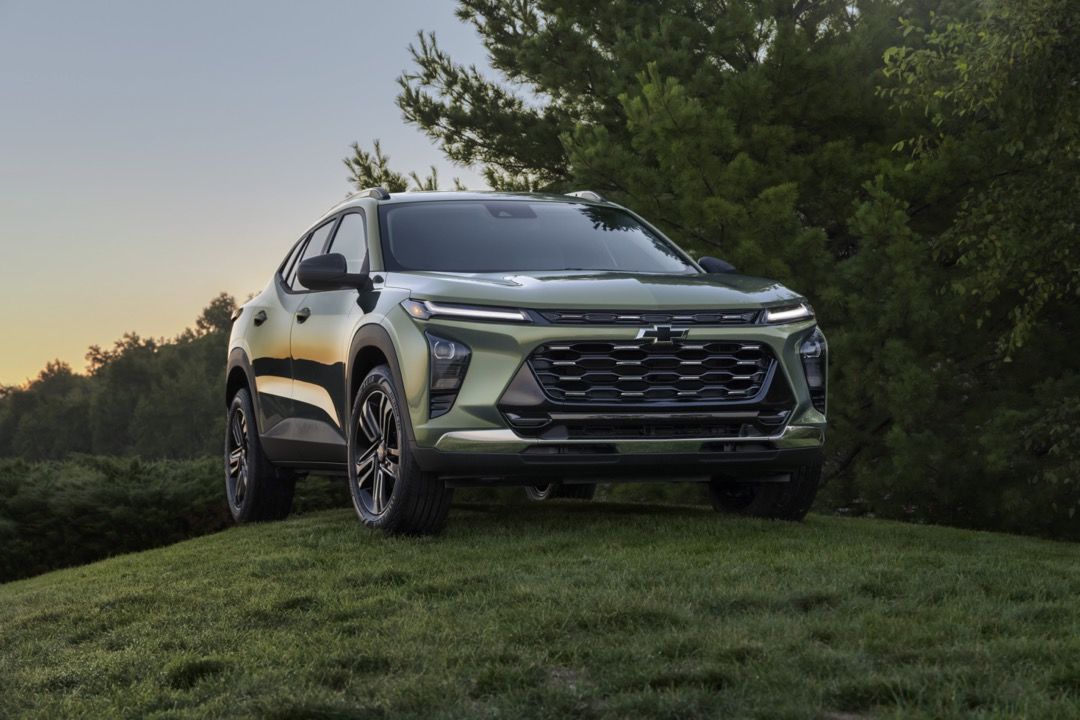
{"points": [[369, 422], [378, 490], [365, 466], [376, 465], [238, 461]]}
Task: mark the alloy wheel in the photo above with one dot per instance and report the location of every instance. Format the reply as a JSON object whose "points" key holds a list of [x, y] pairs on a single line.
{"points": [[378, 454], [237, 458], [540, 492]]}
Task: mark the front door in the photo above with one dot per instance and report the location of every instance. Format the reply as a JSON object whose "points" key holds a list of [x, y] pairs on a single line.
{"points": [[282, 430], [321, 335]]}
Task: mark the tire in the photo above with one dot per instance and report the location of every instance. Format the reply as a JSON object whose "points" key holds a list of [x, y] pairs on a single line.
{"points": [[389, 490], [551, 491], [776, 500], [256, 491]]}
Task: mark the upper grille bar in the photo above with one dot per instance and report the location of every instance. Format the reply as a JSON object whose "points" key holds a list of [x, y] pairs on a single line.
{"points": [[650, 317]]}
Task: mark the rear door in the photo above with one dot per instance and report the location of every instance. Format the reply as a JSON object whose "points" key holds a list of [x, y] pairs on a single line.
{"points": [[267, 338], [321, 335]]}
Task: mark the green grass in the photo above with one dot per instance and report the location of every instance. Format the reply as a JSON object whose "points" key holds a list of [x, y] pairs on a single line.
{"points": [[553, 611]]}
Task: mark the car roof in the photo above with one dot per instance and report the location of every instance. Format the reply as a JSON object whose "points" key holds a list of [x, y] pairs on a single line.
{"points": [[363, 200], [443, 195]]}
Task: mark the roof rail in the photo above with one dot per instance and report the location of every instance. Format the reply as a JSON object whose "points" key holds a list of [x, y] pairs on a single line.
{"points": [[587, 195], [379, 193]]}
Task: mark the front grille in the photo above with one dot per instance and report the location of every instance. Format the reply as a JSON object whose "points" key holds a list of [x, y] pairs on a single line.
{"points": [[650, 317], [638, 371]]}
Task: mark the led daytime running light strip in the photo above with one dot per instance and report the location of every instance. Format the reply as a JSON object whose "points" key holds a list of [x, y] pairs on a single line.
{"points": [[780, 315], [423, 309]]}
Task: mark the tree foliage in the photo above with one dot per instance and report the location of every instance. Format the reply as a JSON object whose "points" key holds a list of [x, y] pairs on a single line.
{"points": [[372, 169], [1000, 92], [151, 397], [909, 164]]}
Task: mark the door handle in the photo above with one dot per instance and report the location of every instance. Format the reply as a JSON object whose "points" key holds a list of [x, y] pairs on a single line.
{"points": [[260, 318], [303, 315]]}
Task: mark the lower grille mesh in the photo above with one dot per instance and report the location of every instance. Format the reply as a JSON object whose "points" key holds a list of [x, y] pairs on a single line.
{"points": [[639, 371]]}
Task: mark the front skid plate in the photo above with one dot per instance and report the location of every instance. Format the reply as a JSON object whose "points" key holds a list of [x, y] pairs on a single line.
{"points": [[616, 467], [508, 442]]}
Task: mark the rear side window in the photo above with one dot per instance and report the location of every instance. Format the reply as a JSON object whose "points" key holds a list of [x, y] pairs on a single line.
{"points": [[290, 259], [315, 244], [290, 272], [351, 241]]}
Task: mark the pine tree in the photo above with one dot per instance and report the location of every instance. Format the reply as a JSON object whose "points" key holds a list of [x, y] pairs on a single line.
{"points": [[778, 134]]}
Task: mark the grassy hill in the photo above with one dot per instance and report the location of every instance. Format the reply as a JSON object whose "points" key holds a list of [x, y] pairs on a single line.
{"points": [[565, 610]]}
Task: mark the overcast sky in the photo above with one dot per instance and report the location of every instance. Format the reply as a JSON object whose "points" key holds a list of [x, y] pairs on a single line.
{"points": [[154, 153]]}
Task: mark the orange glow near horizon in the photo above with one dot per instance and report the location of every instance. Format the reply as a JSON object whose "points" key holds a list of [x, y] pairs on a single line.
{"points": [[153, 155]]}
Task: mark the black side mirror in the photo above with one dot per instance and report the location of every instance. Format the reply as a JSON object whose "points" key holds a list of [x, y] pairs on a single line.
{"points": [[708, 264], [331, 272]]}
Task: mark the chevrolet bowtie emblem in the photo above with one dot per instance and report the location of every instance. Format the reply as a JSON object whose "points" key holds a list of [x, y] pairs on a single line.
{"points": [[662, 334]]}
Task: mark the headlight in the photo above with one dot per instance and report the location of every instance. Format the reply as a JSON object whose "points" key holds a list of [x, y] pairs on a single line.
{"points": [[814, 352], [788, 313], [449, 359], [424, 309]]}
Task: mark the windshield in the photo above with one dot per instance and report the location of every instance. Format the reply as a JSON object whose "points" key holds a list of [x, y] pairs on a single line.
{"points": [[476, 236]]}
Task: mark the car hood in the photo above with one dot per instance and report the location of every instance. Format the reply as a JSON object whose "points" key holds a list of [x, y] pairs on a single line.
{"points": [[596, 290]]}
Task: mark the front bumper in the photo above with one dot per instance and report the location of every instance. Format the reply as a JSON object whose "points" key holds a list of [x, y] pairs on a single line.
{"points": [[504, 453], [474, 439]]}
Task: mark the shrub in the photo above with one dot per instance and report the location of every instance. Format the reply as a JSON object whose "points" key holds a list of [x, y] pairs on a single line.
{"points": [[57, 514]]}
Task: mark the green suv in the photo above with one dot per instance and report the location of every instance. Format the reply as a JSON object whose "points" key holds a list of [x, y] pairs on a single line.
{"points": [[425, 341]]}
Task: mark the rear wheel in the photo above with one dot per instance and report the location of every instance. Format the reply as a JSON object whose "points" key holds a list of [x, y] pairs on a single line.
{"points": [[389, 491], [538, 493], [789, 500], [256, 490]]}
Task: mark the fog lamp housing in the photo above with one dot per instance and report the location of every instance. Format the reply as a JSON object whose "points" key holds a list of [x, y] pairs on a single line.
{"points": [[449, 361], [814, 353]]}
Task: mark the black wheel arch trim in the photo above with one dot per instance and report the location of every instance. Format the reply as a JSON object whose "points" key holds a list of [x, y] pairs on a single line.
{"points": [[375, 336], [239, 359]]}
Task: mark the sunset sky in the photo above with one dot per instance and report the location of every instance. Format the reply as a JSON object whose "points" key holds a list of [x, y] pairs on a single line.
{"points": [[153, 154]]}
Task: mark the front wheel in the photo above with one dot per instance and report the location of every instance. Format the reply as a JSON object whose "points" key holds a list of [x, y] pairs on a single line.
{"points": [[789, 500], [389, 491]]}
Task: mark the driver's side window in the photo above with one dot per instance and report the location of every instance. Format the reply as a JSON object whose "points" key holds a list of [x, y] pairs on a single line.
{"points": [[350, 240], [316, 244]]}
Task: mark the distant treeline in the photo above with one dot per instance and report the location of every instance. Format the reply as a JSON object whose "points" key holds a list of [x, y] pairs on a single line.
{"points": [[146, 397]]}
